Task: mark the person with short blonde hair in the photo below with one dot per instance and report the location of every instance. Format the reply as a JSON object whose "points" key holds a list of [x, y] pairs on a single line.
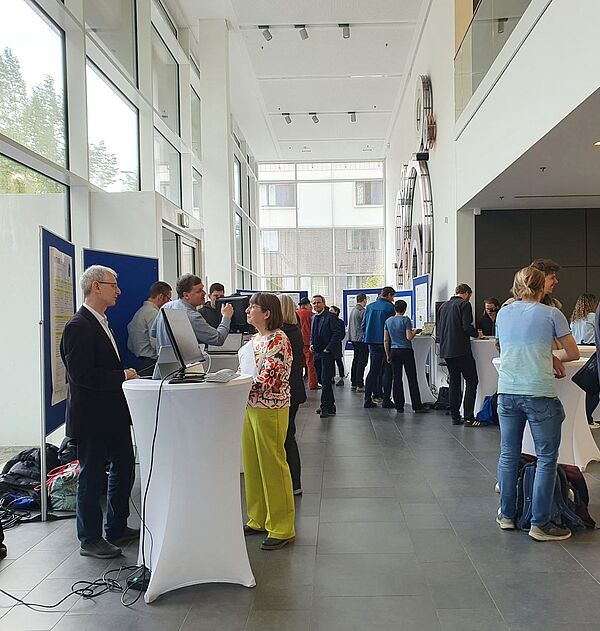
{"points": [[297, 391], [526, 394]]}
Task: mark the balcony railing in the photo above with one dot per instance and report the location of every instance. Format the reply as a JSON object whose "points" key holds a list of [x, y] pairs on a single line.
{"points": [[488, 31]]}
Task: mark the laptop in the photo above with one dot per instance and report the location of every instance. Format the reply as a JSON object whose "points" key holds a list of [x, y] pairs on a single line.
{"points": [[167, 364], [428, 328], [232, 344]]}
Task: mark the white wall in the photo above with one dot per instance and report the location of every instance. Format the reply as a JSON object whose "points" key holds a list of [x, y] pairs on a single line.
{"points": [[129, 223], [213, 39], [552, 72], [20, 387], [434, 57]]}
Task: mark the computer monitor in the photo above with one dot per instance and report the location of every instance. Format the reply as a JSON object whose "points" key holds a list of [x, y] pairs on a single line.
{"points": [[182, 338], [239, 322]]}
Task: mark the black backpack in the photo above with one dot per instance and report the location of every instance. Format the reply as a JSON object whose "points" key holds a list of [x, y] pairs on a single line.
{"points": [[443, 400], [563, 511]]}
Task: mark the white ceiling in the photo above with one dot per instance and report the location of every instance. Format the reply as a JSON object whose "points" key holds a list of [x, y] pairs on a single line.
{"points": [[562, 170], [325, 73]]}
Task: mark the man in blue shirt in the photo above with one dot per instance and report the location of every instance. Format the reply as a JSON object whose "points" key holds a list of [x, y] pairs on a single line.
{"points": [[397, 339], [191, 295], [373, 322]]}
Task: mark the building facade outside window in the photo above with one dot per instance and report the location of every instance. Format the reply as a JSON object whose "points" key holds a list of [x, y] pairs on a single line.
{"points": [[322, 226]]}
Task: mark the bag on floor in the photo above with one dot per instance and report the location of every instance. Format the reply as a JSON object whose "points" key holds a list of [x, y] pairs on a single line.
{"points": [[488, 415], [443, 400], [62, 486], [21, 475], [563, 509], [580, 494]]}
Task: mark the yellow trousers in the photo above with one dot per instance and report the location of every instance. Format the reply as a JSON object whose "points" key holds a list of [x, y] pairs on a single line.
{"points": [[269, 494]]}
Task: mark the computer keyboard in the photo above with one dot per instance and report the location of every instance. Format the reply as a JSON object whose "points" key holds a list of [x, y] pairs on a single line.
{"points": [[221, 376]]}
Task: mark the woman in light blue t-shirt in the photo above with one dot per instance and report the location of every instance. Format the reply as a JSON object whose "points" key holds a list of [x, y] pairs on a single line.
{"points": [[526, 394]]}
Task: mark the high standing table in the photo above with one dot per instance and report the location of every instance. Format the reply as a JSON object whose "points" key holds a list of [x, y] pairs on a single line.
{"points": [[577, 445], [422, 347], [484, 351], [193, 515]]}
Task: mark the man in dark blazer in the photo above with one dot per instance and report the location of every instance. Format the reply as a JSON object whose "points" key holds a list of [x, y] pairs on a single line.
{"points": [[326, 335], [98, 417], [454, 330]]}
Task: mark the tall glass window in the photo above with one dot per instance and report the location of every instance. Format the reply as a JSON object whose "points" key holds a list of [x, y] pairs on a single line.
{"points": [[196, 124], [112, 135], [239, 241], [322, 226], [167, 169], [196, 194], [32, 103], [165, 82], [237, 182], [114, 24]]}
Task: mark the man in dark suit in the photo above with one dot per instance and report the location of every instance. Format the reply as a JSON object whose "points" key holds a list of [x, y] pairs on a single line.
{"points": [[98, 417], [326, 334], [454, 330]]}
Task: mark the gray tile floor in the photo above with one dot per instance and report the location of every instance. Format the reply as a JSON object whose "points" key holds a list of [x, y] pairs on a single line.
{"points": [[395, 531]]}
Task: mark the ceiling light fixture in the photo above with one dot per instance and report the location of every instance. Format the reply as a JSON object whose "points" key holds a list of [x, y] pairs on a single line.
{"points": [[597, 144], [287, 118], [345, 30], [302, 30], [352, 117], [266, 32], [315, 118]]}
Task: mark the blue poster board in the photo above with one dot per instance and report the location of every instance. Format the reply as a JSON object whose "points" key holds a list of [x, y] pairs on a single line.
{"points": [[54, 415], [135, 276], [421, 300]]}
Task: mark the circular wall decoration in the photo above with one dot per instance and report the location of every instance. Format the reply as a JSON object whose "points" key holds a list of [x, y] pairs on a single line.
{"points": [[414, 230]]}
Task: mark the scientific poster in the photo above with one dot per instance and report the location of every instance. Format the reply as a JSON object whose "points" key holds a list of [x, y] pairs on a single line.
{"points": [[61, 311], [420, 305]]}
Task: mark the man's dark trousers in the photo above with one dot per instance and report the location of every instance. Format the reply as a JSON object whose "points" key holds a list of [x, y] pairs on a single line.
{"points": [[378, 361], [404, 358], [359, 363], [462, 366], [325, 367], [94, 450]]}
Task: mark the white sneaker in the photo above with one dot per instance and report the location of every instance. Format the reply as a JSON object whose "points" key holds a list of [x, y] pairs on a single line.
{"points": [[504, 522], [594, 425]]}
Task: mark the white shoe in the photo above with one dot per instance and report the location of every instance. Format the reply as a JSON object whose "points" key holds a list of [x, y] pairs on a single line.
{"points": [[504, 522], [594, 425]]}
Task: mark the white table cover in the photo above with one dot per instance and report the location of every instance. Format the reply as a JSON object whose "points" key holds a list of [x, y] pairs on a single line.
{"points": [[577, 445], [422, 346], [193, 507], [484, 351]]}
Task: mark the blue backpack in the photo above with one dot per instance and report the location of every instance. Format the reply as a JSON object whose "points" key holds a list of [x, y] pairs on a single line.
{"points": [[563, 510], [488, 415]]}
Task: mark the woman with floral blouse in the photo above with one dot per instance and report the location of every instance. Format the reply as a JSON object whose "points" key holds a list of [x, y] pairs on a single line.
{"points": [[269, 495]]}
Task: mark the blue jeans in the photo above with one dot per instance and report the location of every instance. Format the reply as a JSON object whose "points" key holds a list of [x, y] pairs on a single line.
{"points": [[376, 371], [545, 416]]}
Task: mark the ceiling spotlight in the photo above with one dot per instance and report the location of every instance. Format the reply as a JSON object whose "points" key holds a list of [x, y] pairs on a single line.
{"points": [[266, 32], [302, 30], [287, 118], [345, 30], [315, 118], [597, 144], [352, 117]]}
